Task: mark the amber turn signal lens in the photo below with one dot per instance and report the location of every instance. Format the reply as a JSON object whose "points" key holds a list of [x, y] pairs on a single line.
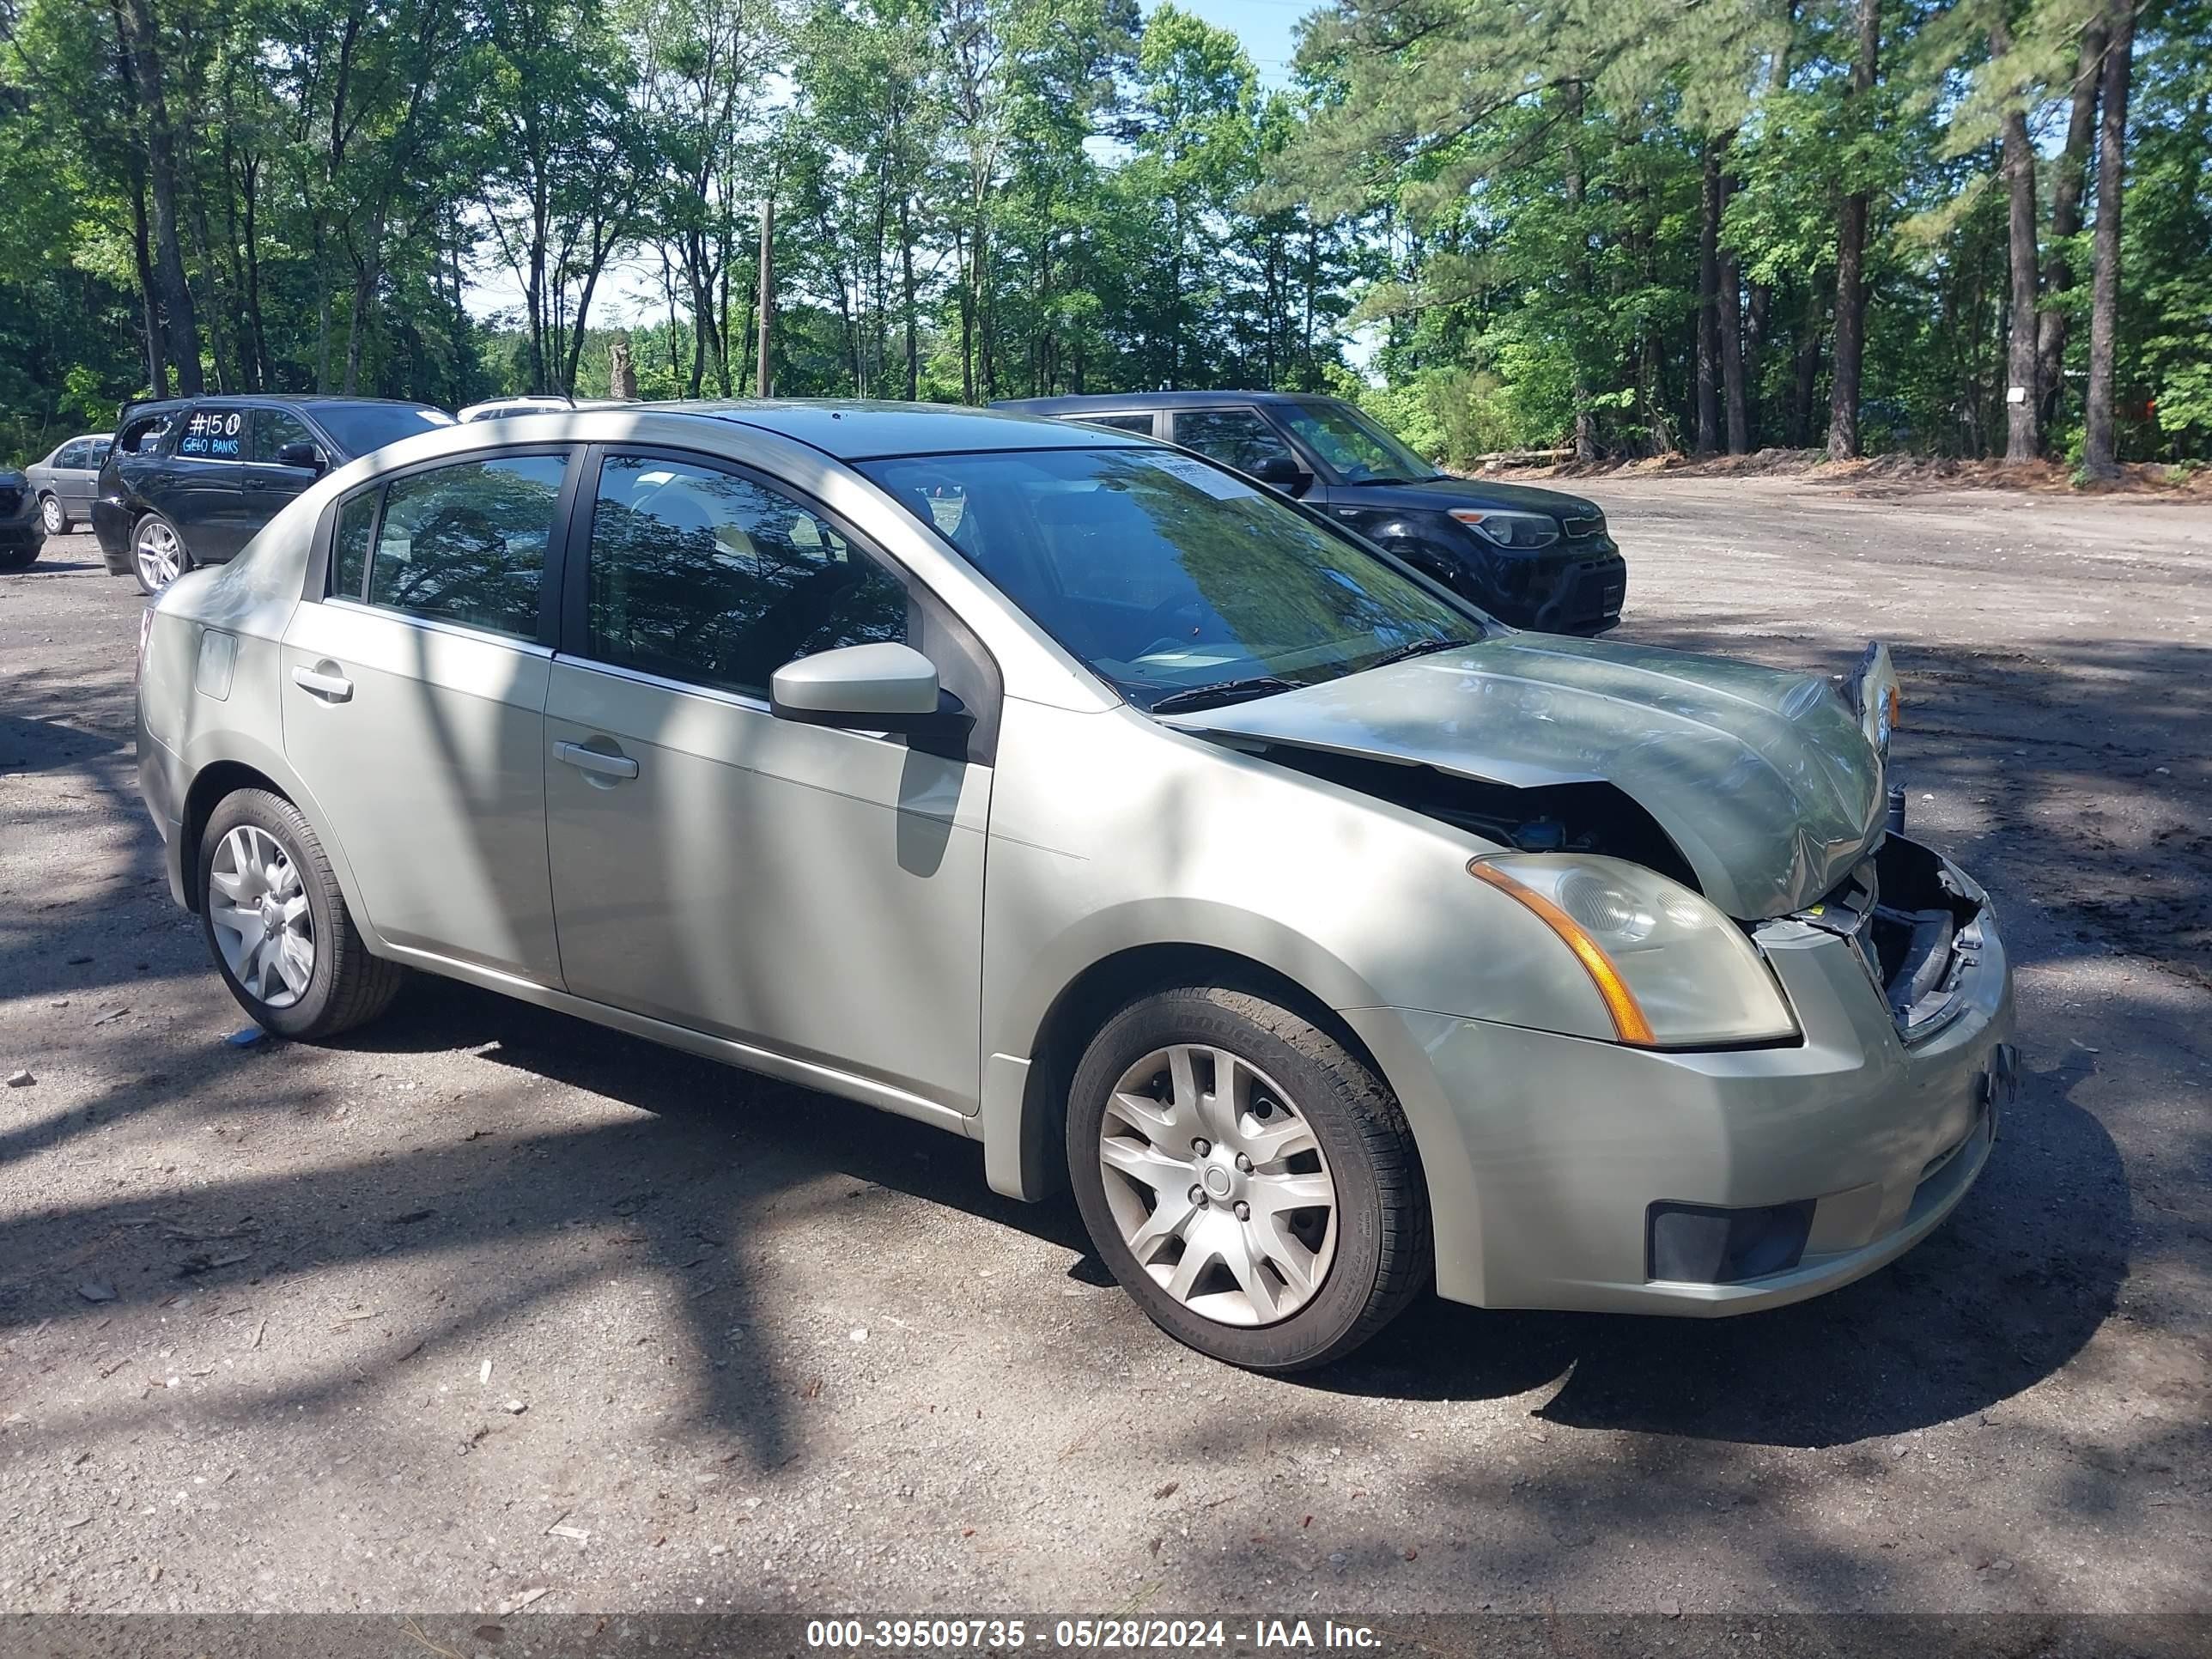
{"points": [[1629, 1023]]}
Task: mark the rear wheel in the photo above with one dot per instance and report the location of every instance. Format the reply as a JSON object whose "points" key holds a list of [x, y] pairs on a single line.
{"points": [[50, 511], [157, 554], [278, 924], [1247, 1179]]}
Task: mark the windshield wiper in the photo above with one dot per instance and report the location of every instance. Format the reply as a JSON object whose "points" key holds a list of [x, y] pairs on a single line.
{"points": [[1209, 696], [1417, 648]]}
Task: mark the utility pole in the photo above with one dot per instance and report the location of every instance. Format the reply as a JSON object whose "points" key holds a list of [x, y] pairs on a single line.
{"points": [[763, 382]]}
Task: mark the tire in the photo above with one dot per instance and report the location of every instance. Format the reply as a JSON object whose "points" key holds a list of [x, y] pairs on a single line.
{"points": [[1363, 1261], [341, 985], [18, 558], [150, 554], [55, 518]]}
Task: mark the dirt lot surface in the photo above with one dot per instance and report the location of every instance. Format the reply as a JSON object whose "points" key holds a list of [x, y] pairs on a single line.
{"points": [[489, 1301]]}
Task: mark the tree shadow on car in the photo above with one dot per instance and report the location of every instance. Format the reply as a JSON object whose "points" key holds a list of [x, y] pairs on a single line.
{"points": [[2003, 1294]]}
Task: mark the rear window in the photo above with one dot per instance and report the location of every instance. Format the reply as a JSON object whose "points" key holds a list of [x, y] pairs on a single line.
{"points": [[360, 429]]}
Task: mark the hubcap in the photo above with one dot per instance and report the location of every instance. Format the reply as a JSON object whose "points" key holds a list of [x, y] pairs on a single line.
{"points": [[263, 925], [158, 555], [52, 510], [1218, 1185]]}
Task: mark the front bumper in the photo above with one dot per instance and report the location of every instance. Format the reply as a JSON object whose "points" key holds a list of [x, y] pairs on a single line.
{"points": [[1574, 587], [161, 786], [1546, 1153], [21, 526]]}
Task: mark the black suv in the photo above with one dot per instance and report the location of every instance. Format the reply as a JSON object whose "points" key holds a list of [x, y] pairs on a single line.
{"points": [[189, 480], [1536, 558]]}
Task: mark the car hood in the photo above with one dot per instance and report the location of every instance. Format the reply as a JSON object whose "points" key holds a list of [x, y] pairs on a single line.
{"points": [[1441, 494], [1764, 781]]}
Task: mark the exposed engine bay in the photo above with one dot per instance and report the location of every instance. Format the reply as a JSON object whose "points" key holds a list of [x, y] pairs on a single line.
{"points": [[1917, 931], [1565, 818]]}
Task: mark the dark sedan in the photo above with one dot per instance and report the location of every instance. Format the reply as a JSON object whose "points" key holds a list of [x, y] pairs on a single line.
{"points": [[190, 480], [1536, 558]]}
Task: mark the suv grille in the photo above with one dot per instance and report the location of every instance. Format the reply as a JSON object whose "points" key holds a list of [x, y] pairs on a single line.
{"points": [[10, 498]]}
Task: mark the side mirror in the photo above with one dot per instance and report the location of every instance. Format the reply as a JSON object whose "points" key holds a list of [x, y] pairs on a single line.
{"points": [[865, 688], [303, 454], [1281, 472]]}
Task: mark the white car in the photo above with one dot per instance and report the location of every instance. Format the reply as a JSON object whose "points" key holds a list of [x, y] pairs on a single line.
{"points": [[492, 408]]}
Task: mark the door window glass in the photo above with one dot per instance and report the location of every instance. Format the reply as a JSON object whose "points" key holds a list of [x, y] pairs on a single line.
{"points": [[467, 544], [212, 434], [1234, 437], [275, 428], [76, 455], [350, 548], [703, 575]]}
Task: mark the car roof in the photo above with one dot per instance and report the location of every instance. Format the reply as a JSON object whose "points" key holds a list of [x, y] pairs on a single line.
{"points": [[853, 430], [1132, 402], [245, 399]]}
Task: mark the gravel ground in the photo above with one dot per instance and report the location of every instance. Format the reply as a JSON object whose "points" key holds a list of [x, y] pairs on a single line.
{"points": [[487, 1301]]}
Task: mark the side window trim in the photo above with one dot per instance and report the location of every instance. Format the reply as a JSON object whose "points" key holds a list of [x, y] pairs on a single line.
{"points": [[1267, 423], [551, 585], [571, 638]]}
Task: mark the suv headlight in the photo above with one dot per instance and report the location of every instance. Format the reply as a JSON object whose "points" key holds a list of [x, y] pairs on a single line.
{"points": [[1502, 529], [1672, 970]]}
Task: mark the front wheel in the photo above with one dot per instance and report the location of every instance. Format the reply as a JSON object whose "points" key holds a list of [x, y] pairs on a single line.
{"points": [[1249, 1181], [277, 923], [157, 555], [51, 514]]}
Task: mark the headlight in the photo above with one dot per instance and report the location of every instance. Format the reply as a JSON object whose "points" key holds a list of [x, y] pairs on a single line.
{"points": [[1509, 529], [1673, 971]]}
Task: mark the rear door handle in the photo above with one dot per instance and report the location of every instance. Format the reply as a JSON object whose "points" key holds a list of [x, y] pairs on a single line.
{"points": [[332, 687], [595, 760]]}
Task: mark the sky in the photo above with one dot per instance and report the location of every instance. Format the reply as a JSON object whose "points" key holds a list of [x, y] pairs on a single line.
{"points": [[631, 292]]}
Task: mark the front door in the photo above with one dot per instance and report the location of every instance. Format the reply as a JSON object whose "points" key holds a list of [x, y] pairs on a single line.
{"points": [[267, 485], [1245, 439], [815, 892], [414, 699]]}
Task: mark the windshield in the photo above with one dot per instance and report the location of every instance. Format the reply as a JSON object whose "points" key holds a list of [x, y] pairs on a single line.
{"points": [[360, 427], [1358, 450], [1165, 575]]}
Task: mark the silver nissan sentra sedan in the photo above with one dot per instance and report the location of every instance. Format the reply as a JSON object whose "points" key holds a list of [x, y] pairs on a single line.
{"points": [[1079, 796]]}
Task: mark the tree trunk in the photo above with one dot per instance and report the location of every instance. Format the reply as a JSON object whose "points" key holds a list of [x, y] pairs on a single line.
{"points": [[157, 360], [1807, 366], [143, 44], [906, 272], [2069, 179], [1851, 260], [2023, 442], [1709, 287], [2099, 437], [1735, 389], [1585, 437]]}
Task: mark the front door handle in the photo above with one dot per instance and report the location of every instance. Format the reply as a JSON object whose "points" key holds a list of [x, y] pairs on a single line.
{"points": [[325, 682], [595, 760]]}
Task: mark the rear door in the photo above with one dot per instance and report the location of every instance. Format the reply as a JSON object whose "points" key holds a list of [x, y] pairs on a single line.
{"points": [[813, 892], [76, 475], [198, 489], [414, 697]]}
